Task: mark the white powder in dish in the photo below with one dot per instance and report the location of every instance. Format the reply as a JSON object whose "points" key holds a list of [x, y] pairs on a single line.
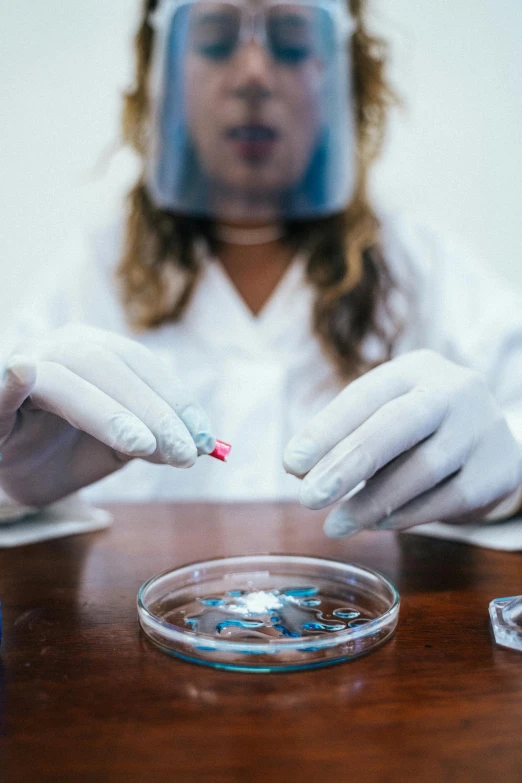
{"points": [[257, 602]]}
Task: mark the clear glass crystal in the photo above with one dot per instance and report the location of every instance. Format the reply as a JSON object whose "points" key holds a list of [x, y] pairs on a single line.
{"points": [[506, 619]]}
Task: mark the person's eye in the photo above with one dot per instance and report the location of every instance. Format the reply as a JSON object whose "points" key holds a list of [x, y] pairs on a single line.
{"points": [[290, 39], [215, 35], [292, 55], [216, 51]]}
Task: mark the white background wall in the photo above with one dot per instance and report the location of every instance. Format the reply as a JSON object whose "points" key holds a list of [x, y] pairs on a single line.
{"points": [[454, 155]]}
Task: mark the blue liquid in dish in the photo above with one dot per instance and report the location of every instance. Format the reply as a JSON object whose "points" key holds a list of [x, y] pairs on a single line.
{"points": [[292, 613], [311, 602], [212, 601], [328, 627], [224, 624], [345, 614], [299, 592]]}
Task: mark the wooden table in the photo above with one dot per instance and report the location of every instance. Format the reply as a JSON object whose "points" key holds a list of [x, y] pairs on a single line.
{"points": [[85, 697]]}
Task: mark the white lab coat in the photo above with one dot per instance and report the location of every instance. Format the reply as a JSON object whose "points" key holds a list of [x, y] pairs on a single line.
{"points": [[261, 378]]}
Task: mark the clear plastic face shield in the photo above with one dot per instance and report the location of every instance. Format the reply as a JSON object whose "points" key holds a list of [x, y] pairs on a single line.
{"points": [[251, 114]]}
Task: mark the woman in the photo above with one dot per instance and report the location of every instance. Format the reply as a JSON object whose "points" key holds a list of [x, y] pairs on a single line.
{"points": [[259, 289]]}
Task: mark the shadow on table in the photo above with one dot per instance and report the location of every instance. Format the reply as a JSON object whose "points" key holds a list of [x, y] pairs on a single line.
{"points": [[432, 565]]}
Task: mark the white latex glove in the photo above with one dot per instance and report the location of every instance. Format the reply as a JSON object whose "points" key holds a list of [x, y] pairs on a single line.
{"points": [[79, 405], [425, 435]]}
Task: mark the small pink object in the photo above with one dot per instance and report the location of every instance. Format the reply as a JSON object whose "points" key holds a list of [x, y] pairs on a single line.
{"points": [[221, 451]]}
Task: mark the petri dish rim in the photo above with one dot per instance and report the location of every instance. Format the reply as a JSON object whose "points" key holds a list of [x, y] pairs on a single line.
{"points": [[176, 634]]}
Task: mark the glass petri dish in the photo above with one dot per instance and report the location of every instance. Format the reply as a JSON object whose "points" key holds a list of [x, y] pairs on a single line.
{"points": [[268, 613]]}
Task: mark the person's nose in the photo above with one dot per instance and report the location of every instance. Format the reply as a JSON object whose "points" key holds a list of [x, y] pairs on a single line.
{"points": [[255, 79]]}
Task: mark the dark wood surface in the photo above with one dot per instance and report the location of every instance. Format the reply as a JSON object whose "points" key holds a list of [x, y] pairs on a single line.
{"points": [[85, 697]]}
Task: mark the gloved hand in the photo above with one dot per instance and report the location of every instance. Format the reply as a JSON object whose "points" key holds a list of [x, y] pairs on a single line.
{"points": [[79, 405], [425, 435]]}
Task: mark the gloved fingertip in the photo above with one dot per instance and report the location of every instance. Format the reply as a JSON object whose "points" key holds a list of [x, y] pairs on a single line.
{"points": [[205, 444], [20, 371], [321, 490], [338, 525], [176, 447], [300, 455], [130, 436], [185, 456], [310, 497], [199, 425]]}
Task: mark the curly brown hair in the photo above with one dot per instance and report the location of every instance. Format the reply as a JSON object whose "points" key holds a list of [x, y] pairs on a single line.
{"points": [[159, 267]]}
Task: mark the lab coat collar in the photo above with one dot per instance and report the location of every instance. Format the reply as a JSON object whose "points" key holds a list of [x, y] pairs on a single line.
{"points": [[218, 314]]}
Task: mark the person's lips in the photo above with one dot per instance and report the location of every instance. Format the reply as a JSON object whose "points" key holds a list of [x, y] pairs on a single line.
{"points": [[252, 142]]}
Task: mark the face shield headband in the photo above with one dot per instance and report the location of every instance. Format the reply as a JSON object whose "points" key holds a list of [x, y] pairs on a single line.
{"points": [[251, 114]]}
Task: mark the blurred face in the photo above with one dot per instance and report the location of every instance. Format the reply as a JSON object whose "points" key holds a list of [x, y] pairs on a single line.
{"points": [[253, 82]]}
